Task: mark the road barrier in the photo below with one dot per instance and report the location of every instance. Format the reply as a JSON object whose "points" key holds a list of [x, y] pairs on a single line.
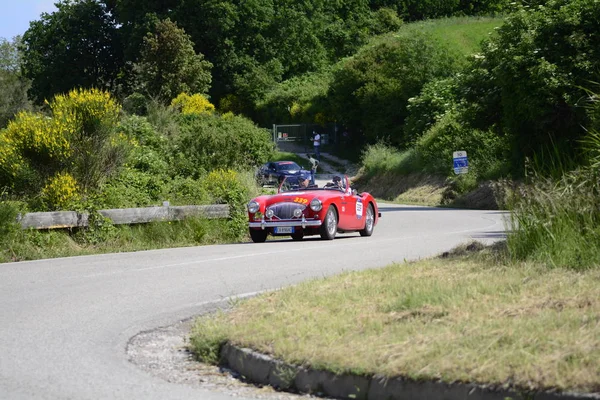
{"points": [[120, 216]]}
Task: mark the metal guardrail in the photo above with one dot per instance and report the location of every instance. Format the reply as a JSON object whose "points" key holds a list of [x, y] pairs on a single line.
{"points": [[121, 216]]}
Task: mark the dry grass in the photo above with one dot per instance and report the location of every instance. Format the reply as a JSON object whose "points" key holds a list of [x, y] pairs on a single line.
{"points": [[461, 318], [411, 188]]}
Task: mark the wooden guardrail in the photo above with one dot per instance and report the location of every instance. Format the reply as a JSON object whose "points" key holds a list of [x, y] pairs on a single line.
{"points": [[119, 216]]}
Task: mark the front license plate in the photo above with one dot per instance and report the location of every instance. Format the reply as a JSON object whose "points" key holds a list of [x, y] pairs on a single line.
{"points": [[284, 229]]}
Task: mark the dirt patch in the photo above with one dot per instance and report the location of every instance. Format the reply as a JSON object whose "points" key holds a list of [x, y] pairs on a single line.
{"points": [[430, 190], [163, 353]]}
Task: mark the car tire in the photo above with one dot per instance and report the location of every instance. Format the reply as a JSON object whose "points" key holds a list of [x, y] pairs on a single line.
{"points": [[298, 235], [369, 222], [258, 235], [329, 227]]}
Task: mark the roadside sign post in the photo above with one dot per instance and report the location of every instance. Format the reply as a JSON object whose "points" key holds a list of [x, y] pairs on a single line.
{"points": [[461, 163]]}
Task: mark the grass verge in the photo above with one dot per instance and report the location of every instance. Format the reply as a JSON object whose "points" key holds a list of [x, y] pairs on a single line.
{"points": [[20, 245], [467, 317]]}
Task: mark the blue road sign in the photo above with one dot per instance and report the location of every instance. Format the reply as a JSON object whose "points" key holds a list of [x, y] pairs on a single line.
{"points": [[460, 161]]}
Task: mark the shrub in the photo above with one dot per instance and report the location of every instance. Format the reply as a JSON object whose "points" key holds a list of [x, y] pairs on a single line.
{"points": [[486, 151], [136, 104], [370, 91], [60, 192], [194, 104], [131, 188], [78, 138], [211, 142], [436, 98], [527, 81], [225, 186]]}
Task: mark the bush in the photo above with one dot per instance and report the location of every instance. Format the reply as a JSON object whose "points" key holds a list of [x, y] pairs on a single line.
{"points": [[370, 91], [436, 98], [60, 193], [226, 187], [210, 142], [131, 188], [527, 81], [194, 104], [486, 151], [136, 104], [79, 139]]}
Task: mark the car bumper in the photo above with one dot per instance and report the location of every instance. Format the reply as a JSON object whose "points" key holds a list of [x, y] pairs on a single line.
{"points": [[272, 224]]}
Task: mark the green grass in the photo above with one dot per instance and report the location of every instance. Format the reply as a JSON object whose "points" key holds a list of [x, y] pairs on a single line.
{"points": [[20, 245], [468, 318], [463, 35]]}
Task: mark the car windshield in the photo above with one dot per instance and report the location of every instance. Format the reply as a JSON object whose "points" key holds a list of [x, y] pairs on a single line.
{"points": [[287, 166], [314, 182]]}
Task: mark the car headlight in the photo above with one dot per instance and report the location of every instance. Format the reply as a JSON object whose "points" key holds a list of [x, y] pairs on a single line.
{"points": [[253, 207], [316, 205], [298, 212], [269, 213]]}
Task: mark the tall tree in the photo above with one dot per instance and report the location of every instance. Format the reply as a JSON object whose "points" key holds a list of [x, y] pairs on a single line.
{"points": [[75, 46], [13, 86], [169, 65]]}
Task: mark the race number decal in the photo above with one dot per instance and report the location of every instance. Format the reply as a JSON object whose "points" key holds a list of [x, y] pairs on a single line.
{"points": [[300, 200], [359, 208]]}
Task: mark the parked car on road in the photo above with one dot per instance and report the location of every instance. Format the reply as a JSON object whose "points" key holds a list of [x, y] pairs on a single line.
{"points": [[322, 204], [274, 172]]}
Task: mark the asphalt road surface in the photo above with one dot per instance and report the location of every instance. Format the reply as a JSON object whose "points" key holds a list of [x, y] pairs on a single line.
{"points": [[65, 323]]}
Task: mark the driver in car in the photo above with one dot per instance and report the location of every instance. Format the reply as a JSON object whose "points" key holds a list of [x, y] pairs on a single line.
{"points": [[337, 183]]}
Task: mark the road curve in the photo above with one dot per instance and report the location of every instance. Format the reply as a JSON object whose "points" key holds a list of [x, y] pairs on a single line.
{"points": [[65, 323]]}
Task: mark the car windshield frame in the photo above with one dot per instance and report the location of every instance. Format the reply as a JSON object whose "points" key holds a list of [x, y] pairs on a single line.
{"points": [[319, 182]]}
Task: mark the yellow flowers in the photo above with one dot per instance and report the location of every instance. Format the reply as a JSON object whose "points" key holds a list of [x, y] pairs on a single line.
{"points": [[34, 143], [80, 107], [194, 104], [60, 191]]}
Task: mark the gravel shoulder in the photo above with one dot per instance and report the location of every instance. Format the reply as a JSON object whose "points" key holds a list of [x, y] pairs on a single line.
{"points": [[163, 353]]}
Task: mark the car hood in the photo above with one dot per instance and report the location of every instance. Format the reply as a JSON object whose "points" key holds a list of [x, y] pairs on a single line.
{"points": [[297, 197]]}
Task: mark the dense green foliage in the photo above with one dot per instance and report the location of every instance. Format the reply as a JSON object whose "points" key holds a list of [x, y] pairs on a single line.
{"points": [[13, 85], [528, 81], [168, 64], [77, 46], [252, 45]]}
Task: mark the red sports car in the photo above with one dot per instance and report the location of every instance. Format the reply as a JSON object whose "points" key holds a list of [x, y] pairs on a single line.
{"points": [[312, 205]]}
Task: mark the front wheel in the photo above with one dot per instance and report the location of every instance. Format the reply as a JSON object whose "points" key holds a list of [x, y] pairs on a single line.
{"points": [[258, 235], [329, 227], [369, 222]]}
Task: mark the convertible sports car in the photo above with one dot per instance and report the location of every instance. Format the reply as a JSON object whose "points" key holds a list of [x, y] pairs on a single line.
{"points": [[312, 205], [272, 173]]}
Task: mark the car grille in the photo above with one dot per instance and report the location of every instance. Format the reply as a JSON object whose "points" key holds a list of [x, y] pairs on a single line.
{"points": [[285, 210]]}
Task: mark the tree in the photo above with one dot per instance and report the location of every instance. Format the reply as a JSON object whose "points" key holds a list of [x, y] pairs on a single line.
{"points": [[13, 86], [528, 81], [169, 65], [76, 46]]}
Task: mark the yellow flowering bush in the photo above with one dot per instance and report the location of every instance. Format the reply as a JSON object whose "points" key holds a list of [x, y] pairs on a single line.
{"points": [[11, 162], [79, 137], [296, 110], [83, 110], [60, 191], [194, 104], [38, 136]]}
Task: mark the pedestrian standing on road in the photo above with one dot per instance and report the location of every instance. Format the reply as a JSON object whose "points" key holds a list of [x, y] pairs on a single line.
{"points": [[314, 164], [316, 138]]}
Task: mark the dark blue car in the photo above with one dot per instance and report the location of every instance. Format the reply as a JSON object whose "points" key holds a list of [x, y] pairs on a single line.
{"points": [[273, 173]]}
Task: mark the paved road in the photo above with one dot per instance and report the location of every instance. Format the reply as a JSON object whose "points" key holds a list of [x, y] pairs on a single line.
{"points": [[65, 323]]}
